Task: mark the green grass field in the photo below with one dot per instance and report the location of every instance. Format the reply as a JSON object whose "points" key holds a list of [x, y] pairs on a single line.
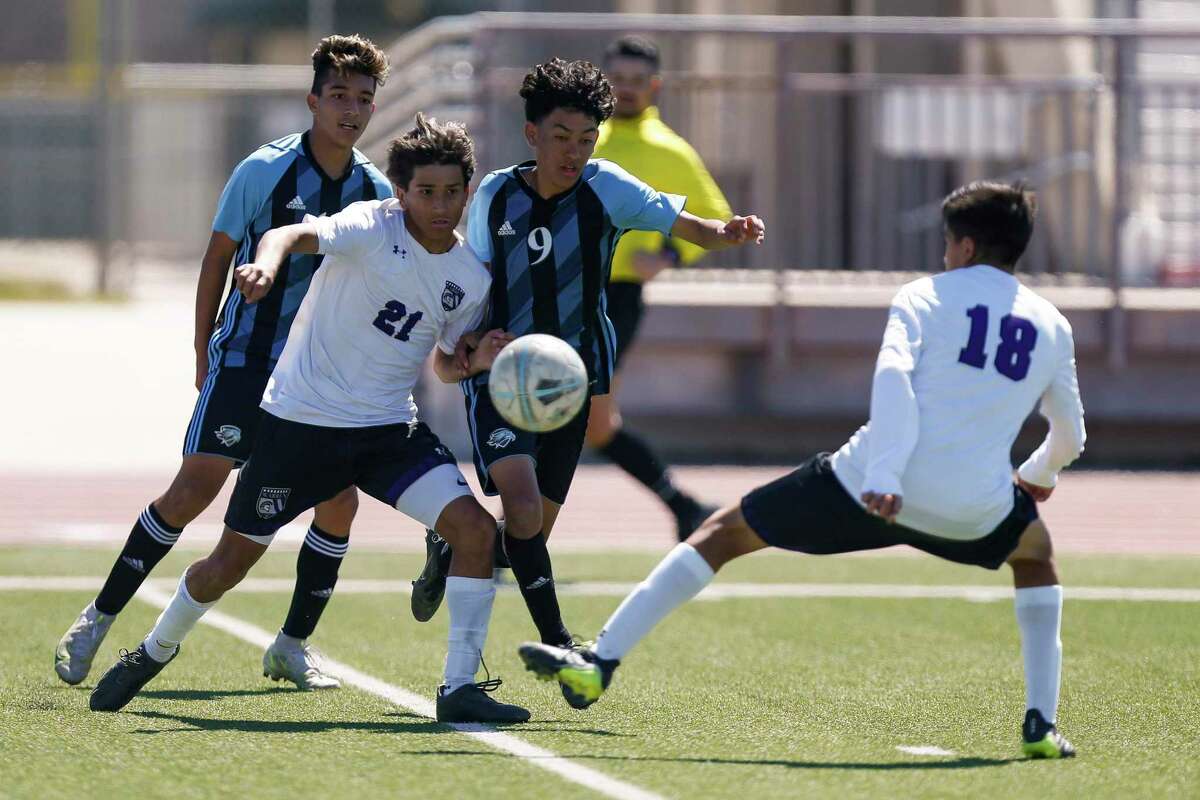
{"points": [[763, 698]]}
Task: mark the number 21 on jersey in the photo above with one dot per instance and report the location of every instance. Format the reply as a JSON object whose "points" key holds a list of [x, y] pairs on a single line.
{"points": [[1017, 339]]}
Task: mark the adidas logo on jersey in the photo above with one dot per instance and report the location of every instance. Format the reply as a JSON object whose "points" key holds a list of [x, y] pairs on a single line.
{"points": [[297, 204], [135, 564], [506, 229]]}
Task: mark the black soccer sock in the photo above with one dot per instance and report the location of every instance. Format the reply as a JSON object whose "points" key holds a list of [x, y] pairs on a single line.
{"points": [[531, 568], [316, 575], [632, 454], [150, 540]]}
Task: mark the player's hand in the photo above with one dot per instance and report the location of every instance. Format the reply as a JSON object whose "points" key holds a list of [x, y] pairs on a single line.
{"points": [[647, 264], [253, 281], [740, 230], [883, 505], [1039, 493], [462, 351], [490, 345], [201, 366]]}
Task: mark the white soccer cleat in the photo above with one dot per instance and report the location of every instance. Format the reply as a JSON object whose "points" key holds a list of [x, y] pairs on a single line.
{"points": [[78, 646], [302, 665]]}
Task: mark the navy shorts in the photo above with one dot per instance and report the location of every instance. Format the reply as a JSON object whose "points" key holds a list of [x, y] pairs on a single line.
{"points": [[625, 308], [555, 455], [225, 420], [296, 466], [808, 511]]}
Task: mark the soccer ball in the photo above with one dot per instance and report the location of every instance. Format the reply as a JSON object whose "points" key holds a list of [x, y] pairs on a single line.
{"points": [[538, 383]]}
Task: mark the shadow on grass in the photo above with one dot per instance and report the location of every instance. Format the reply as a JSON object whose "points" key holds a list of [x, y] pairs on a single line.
{"points": [[417, 725], [213, 694], [956, 763]]}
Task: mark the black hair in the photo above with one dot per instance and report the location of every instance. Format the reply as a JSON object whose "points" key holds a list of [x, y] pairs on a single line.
{"points": [[575, 85], [634, 46], [430, 142], [997, 216]]}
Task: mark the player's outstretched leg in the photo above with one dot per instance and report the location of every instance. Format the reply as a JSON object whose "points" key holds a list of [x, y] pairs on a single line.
{"points": [[470, 593], [607, 435], [201, 586], [586, 674], [1038, 600], [154, 533], [290, 656]]}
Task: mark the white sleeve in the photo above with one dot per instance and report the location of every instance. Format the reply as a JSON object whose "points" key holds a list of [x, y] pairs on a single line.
{"points": [[354, 232], [469, 318], [1063, 409], [894, 415]]}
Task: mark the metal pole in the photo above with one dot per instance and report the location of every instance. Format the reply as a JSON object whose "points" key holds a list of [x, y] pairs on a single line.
{"points": [[320, 19], [1124, 90], [102, 158]]}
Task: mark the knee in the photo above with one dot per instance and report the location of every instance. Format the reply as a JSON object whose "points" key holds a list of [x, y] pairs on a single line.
{"points": [[218, 573], [522, 515], [602, 427], [471, 531], [186, 498], [342, 506], [1034, 570]]}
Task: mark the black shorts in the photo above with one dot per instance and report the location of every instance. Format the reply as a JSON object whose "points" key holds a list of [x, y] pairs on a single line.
{"points": [[227, 414], [809, 511], [296, 466], [625, 308], [555, 455]]}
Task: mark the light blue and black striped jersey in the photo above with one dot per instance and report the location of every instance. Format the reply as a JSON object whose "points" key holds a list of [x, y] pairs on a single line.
{"points": [[551, 258], [276, 185]]}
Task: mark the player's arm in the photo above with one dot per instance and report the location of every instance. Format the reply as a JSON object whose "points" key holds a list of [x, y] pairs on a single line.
{"points": [[479, 357], [214, 267], [713, 234], [255, 280], [1063, 409], [894, 414]]}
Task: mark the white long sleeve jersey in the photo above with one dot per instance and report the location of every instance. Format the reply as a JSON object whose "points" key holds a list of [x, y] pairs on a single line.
{"points": [[375, 309], [966, 355]]}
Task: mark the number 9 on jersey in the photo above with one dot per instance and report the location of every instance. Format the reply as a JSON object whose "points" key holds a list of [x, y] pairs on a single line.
{"points": [[538, 383]]}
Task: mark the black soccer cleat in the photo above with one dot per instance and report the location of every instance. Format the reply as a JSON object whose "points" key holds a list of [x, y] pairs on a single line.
{"points": [[690, 516], [583, 675], [126, 678], [472, 703], [1042, 739], [430, 586]]}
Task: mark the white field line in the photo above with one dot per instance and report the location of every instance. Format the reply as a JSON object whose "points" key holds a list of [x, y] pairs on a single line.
{"points": [[717, 591], [536, 756]]}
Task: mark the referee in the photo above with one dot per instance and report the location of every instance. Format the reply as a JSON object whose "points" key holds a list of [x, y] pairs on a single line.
{"points": [[636, 139]]}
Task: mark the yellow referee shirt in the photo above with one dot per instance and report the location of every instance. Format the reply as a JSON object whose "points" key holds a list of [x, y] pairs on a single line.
{"points": [[647, 148]]}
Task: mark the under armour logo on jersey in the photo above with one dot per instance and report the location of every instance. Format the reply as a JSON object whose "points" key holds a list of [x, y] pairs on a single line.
{"points": [[398, 252], [297, 204], [135, 564], [228, 435], [506, 229], [501, 438], [271, 500], [452, 295]]}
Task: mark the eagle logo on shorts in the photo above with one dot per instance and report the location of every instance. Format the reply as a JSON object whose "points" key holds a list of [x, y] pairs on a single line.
{"points": [[452, 295], [501, 438], [271, 501], [228, 435]]}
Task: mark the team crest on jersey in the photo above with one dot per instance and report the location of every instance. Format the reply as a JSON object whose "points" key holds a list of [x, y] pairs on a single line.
{"points": [[271, 501], [228, 435], [501, 438], [452, 295]]}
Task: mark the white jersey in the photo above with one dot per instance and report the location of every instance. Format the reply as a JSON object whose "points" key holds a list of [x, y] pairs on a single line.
{"points": [[966, 355], [373, 312]]}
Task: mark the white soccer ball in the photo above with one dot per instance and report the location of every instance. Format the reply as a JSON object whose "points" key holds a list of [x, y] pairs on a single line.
{"points": [[538, 383]]}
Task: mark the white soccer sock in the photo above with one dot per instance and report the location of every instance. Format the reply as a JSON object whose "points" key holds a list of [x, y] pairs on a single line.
{"points": [[1039, 616], [175, 623], [470, 604], [678, 578]]}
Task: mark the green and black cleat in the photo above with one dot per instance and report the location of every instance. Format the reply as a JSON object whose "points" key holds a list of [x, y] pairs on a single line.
{"points": [[582, 674], [430, 586], [1042, 739], [126, 678]]}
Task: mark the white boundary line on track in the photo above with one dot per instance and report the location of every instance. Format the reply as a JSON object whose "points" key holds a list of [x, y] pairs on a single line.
{"points": [[531, 754], [717, 591]]}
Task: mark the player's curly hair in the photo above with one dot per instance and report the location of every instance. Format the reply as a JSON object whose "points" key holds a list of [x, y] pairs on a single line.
{"points": [[343, 55], [430, 142], [997, 216], [575, 85]]}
